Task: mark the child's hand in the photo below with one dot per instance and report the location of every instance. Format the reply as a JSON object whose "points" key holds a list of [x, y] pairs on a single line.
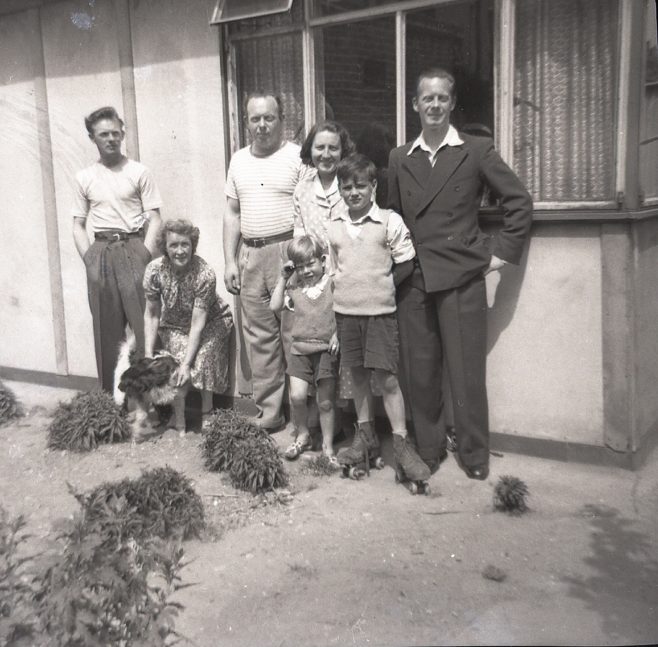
{"points": [[287, 270], [334, 346]]}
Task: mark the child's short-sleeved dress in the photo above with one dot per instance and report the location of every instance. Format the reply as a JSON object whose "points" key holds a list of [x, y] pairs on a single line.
{"points": [[178, 295]]}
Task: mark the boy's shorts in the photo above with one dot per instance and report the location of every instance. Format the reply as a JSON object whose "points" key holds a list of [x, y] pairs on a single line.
{"points": [[370, 342], [313, 367]]}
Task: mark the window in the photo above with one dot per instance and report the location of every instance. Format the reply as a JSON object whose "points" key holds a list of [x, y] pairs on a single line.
{"points": [[229, 10], [564, 90], [649, 125], [550, 95]]}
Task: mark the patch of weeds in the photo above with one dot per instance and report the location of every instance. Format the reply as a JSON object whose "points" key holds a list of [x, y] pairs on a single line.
{"points": [[510, 495], [247, 453], [9, 407], [17, 620], [160, 503], [319, 466], [107, 588], [89, 420]]}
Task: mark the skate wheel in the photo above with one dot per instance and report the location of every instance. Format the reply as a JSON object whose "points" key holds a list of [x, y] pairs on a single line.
{"points": [[356, 473], [426, 489], [413, 488], [378, 463]]}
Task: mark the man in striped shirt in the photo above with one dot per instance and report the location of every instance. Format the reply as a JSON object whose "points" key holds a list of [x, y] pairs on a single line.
{"points": [[259, 187]]}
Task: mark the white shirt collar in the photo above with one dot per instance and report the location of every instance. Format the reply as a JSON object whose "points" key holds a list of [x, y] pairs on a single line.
{"points": [[319, 190], [344, 214], [451, 138]]}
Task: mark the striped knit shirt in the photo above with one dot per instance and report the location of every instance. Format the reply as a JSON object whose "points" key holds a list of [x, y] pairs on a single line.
{"points": [[264, 188]]}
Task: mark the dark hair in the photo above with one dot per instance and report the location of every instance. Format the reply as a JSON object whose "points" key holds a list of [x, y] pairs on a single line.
{"points": [[181, 227], [263, 94], [302, 249], [107, 112], [346, 144], [355, 164], [438, 73]]}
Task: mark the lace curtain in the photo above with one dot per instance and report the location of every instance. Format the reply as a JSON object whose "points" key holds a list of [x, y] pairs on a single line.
{"points": [[274, 64], [564, 103]]}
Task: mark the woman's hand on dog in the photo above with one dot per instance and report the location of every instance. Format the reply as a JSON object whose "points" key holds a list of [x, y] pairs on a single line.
{"points": [[182, 375]]}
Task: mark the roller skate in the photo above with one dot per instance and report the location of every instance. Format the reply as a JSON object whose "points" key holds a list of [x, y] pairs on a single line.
{"points": [[410, 469], [364, 453]]}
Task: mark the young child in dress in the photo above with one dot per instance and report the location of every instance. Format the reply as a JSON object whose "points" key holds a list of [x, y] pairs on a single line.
{"points": [[371, 251], [314, 348]]}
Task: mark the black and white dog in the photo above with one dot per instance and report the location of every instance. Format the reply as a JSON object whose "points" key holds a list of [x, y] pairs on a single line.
{"points": [[140, 383]]}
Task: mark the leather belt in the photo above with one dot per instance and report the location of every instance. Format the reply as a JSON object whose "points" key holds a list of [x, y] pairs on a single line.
{"points": [[115, 236], [268, 240]]}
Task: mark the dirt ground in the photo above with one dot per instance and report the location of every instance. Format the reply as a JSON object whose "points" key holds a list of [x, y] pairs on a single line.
{"points": [[365, 563]]}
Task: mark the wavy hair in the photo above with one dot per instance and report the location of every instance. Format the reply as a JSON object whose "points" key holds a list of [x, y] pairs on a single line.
{"points": [[347, 146], [182, 227]]}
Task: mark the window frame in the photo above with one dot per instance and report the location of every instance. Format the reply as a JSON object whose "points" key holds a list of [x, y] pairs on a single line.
{"points": [[503, 75]]}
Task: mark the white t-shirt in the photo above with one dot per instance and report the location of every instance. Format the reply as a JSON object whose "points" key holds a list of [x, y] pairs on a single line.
{"points": [[117, 197], [264, 188]]}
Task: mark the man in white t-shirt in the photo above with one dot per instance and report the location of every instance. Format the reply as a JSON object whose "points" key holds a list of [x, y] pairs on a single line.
{"points": [[122, 202], [259, 215]]}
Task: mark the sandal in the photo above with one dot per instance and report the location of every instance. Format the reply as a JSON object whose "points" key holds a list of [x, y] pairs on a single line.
{"points": [[333, 461], [297, 448], [205, 418]]}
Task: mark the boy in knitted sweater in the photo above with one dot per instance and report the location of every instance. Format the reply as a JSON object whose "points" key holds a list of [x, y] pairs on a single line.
{"points": [[313, 355], [371, 251]]}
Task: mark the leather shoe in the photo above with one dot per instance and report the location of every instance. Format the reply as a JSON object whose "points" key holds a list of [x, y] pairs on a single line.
{"points": [[479, 472]]}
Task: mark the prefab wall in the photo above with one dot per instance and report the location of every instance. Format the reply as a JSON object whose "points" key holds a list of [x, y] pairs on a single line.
{"points": [[158, 63], [572, 350]]}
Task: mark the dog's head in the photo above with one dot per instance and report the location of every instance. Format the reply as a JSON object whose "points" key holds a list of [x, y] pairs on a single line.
{"points": [[148, 373]]}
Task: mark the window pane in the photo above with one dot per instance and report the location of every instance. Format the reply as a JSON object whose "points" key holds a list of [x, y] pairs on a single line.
{"points": [[331, 7], [294, 17], [228, 10], [274, 65], [458, 37], [649, 137], [564, 108], [355, 82]]}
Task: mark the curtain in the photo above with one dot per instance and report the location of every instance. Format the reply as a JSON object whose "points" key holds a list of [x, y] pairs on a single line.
{"points": [[274, 64], [564, 98]]}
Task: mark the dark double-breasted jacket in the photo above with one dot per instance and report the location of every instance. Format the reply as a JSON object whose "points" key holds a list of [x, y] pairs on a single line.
{"points": [[440, 207]]}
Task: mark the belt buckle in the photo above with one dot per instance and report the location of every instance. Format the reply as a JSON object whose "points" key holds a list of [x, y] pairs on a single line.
{"points": [[116, 237]]}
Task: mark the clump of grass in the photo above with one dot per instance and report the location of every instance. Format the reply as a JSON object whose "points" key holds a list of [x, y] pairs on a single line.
{"points": [[510, 495], [89, 420], [247, 453], [9, 407], [160, 503]]}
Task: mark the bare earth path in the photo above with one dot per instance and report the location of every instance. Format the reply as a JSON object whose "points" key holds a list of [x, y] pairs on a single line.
{"points": [[365, 563]]}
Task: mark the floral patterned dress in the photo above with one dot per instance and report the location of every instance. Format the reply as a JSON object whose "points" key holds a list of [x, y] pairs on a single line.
{"points": [[178, 295]]}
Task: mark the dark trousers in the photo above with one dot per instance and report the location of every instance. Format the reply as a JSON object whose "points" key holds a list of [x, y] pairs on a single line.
{"points": [[449, 325], [115, 271]]}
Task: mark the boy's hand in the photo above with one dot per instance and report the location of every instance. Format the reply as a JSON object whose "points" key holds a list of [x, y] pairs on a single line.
{"points": [[287, 270], [334, 346]]}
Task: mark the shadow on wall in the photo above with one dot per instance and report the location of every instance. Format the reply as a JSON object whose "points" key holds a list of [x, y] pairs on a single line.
{"points": [[623, 585], [503, 296]]}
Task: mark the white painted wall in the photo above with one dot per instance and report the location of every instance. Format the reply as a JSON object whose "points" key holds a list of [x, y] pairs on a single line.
{"points": [[545, 368], [25, 297]]}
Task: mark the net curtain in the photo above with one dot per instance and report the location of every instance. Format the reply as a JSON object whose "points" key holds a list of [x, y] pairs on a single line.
{"points": [[564, 98]]}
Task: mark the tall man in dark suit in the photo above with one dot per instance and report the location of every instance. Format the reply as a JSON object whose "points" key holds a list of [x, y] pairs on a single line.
{"points": [[436, 184]]}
